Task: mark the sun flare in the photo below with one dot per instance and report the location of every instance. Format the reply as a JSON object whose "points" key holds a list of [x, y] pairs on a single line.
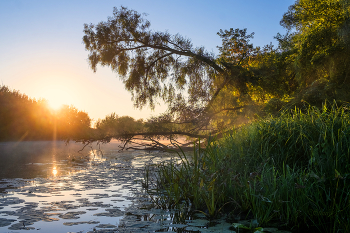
{"points": [[55, 104], [56, 96], [57, 93]]}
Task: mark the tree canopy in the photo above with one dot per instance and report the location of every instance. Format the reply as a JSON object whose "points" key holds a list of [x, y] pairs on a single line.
{"points": [[207, 93], [320, 39], [191, 81]]}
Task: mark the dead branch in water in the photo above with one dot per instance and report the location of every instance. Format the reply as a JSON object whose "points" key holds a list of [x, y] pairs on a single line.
{"points": [[147, 141]]}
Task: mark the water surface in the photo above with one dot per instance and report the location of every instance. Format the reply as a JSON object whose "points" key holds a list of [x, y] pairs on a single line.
{"points": [[51, 187]]}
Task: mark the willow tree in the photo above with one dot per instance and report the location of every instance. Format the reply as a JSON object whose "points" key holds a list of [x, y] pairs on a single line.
{"points": [[196, 85]]}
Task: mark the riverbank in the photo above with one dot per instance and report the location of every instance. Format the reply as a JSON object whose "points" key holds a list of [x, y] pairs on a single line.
{"points": [[292, 170]]}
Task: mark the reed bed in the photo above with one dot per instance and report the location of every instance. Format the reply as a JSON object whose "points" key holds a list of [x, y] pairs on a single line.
{"points": [[292, 170]]}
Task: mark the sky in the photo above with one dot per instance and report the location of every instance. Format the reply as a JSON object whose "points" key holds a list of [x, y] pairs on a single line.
{"points": [[42, 54]]}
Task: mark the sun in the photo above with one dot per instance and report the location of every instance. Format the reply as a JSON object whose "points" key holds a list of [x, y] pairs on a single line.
{"points": [[55, 97], [55, 105], [57, 91], [57, 94]]}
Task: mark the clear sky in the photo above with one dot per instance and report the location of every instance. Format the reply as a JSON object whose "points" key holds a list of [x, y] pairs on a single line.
{"points": [[42, 54]]}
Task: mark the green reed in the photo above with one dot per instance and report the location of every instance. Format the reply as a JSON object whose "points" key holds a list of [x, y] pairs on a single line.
{"points": [[293, 169]]}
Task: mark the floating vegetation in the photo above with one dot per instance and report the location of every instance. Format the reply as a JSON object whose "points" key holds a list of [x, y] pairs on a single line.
{"points": [[78, 223], [111, 213], [5, 222], [71, 215], [102, 197], [21, 226]]}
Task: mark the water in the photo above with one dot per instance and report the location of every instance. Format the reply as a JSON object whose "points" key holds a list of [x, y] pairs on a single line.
{"points": [[51, 187]]}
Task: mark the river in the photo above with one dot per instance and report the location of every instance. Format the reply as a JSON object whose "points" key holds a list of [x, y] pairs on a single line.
{"points": [[49, 186]]}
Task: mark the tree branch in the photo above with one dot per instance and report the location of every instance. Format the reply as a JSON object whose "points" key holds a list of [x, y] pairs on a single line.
{"points": [[159, 58]]}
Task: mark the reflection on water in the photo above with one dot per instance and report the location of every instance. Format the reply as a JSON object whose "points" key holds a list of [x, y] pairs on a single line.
{"points": [[37, 159], [54, 171], [58, 189], [50, 187]]}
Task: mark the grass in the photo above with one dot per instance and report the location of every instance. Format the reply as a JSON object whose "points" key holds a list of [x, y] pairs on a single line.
{"points": [[292, 169]]}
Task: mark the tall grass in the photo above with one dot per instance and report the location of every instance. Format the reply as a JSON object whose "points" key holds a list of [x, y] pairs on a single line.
{"points": [[293, 169]]}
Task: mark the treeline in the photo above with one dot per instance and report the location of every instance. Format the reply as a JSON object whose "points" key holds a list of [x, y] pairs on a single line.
{"points": [[113, 125], [24, 118]]}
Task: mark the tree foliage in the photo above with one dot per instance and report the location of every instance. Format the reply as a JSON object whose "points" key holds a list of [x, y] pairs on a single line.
{"points": [[151, 64], [72, 123], [193, 83], [113, 125], [207, 93], [23, 118], [320, 39]]}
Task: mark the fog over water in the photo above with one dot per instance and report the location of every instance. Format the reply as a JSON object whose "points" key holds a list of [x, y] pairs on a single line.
{"points": [[52, 187], [31, 159]]}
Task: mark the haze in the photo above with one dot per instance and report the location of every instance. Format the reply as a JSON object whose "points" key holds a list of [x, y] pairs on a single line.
{"points": [[42, 54]]}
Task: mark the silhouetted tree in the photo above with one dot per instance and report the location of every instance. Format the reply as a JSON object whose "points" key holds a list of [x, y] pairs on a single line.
{"points": [[23, 118]]}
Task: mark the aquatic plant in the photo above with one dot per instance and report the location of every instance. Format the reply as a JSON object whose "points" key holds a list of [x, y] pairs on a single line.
{"points": [[292, 169]]}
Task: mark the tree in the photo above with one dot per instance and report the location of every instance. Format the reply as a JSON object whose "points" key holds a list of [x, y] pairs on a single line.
{"points": [[23, 118], [113, 124], [320, 40], [193, 83], [72, 123]]}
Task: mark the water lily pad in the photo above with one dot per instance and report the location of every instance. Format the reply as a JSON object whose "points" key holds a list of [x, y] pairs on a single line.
{"points": [[78, 223], [21, 226], [71, 215], [178, 225], [109, 214], [200, 215], [240, 226], [190, 228], [270, 229], [10, 201], [50, 219], [5, 222], [220, 227], [106, 226], [198, 223]]}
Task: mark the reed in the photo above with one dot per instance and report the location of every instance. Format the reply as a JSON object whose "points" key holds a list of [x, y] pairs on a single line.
{"points": [[292, 169]]}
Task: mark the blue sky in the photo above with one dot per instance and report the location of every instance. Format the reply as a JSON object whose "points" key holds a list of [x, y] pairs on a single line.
{"points": [[42, 54]]}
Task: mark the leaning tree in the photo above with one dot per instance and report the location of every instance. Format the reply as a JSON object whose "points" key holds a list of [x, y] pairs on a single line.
{"points": [[203, 92]]}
